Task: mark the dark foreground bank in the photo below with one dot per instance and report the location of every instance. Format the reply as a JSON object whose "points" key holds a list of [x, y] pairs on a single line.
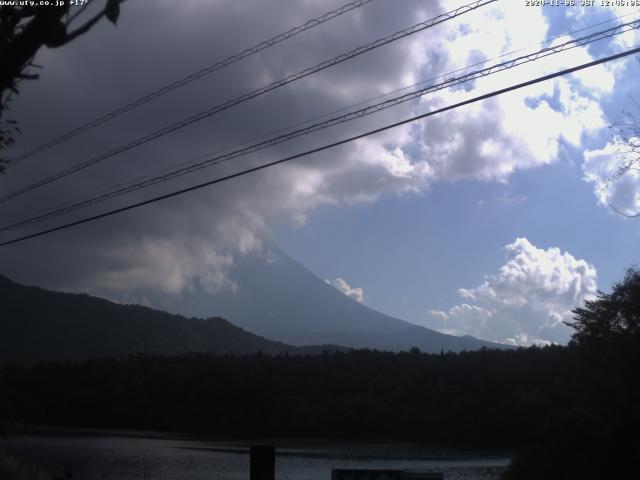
{"points": [[135, 455], [567, 407], [572, 410]]}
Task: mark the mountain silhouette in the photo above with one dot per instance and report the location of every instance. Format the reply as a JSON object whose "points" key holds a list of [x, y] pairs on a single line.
{"points": [[279, 298]]}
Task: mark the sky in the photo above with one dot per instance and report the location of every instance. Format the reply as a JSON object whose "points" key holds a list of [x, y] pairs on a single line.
{"points": [[494, 219]]}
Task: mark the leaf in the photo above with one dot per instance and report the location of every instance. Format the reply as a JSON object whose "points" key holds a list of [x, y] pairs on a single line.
{"points": [[112, 10]]}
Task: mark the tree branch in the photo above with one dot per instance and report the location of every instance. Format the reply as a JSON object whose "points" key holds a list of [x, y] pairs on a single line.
{"points": [[77, 14], [87, 26], [83, 29]]}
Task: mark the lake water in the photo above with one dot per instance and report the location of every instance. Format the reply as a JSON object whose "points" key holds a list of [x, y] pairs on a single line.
{"points": [[139, 455]]}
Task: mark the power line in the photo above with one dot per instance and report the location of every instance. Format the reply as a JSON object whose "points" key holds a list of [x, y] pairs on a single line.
{"points": [[248, 96], [147, 182], [318, 117], [326, 147], [18, 222], [194, 76], [131, 186]]}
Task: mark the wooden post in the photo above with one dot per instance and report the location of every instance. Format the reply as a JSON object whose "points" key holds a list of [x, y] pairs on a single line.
{"points": [[262, 462]]}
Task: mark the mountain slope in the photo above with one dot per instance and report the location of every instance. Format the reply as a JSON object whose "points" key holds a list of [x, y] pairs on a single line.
{"points": [[37, 324], [278, 298]]}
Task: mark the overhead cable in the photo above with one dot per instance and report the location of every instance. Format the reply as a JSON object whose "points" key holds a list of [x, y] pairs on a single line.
{"points": [[248, 96], [324, 147], [190, 78], [450, 82]]}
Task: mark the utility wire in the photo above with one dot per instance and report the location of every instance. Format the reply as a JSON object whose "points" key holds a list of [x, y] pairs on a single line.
{"points": [[326, 147], [248, 96], [321, 116], [147, 182], [318, 117], [190, 78]]}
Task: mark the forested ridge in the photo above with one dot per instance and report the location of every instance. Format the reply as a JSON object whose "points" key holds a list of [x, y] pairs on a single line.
{"points": [[43, 325], [570, 410]]}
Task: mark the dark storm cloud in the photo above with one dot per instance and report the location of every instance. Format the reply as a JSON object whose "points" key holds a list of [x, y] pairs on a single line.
{"points": [[165, 245], [154, 44]]}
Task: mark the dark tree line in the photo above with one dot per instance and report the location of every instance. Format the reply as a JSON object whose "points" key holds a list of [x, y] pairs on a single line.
{"points": [[572, 411], [597, 435], [478, 398]]}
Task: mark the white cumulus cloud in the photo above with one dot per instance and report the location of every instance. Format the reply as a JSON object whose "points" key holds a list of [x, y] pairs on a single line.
{"points": [[353, 292], [527, 301]]}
